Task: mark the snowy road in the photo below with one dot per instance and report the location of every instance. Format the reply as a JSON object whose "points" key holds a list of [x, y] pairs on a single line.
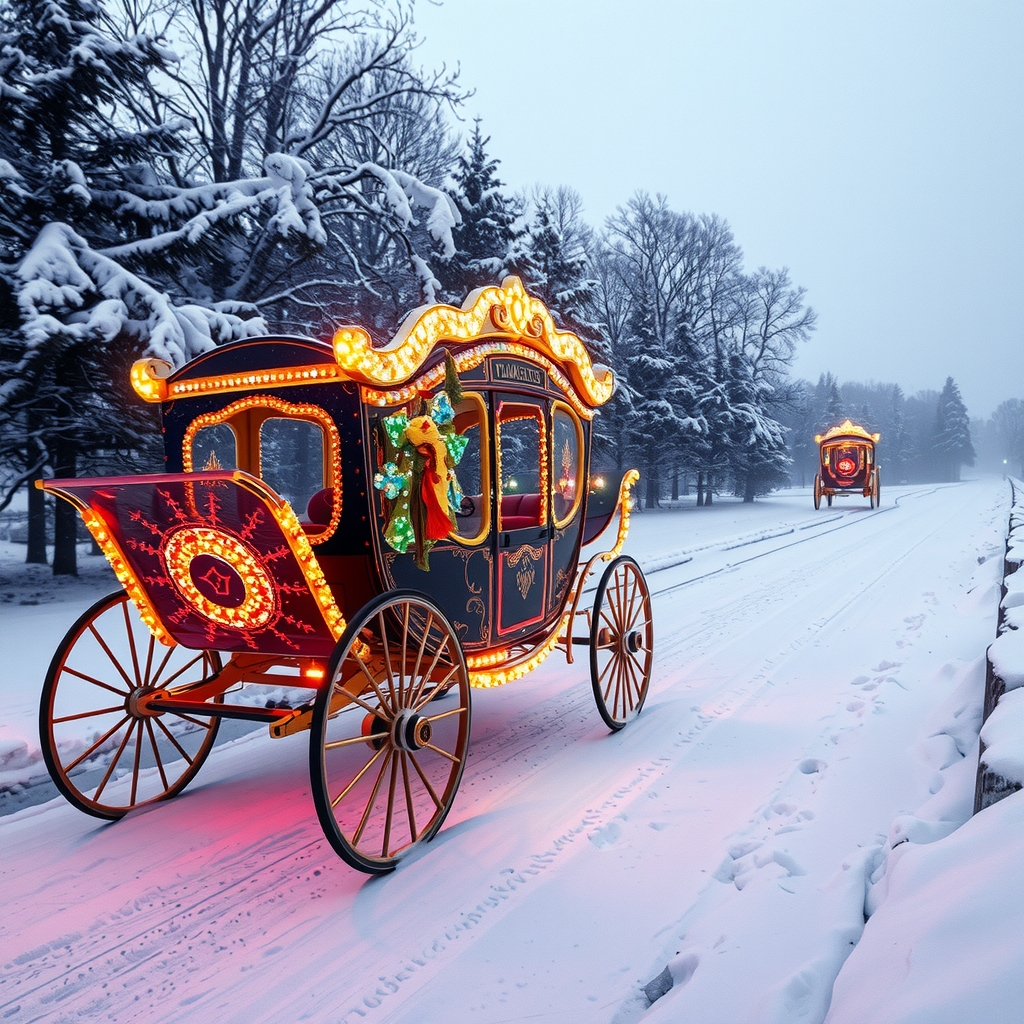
{"points": [[720, 844]]}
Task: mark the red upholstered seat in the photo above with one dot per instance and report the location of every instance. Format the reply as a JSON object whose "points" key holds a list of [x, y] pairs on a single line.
{"points": [[320, 507], [519, 511]]}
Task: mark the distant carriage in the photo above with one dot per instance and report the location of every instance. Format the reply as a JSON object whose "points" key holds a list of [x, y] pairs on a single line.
{"points": [[847, 465], [346, 540]]}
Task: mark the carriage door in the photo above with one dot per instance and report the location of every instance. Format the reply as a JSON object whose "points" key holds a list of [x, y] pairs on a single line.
{"points": [[523, 530]]}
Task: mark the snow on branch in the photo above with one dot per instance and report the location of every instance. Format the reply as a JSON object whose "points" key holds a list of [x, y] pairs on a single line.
{"points": [[68, 289]]}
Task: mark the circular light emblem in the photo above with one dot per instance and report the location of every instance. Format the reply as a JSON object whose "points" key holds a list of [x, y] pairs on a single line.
{"points": [[220, 577], [846, 466]]}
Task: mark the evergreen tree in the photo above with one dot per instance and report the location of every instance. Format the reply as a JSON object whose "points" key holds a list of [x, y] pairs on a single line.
{"points": [[951, 441], [556, 266], [829, 402], [755, 443], [485, 239], [64, 82]]}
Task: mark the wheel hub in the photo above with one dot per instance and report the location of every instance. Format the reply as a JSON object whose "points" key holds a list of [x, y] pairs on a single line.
{"points": [[138, 702], [410, 731], [633, 641]]}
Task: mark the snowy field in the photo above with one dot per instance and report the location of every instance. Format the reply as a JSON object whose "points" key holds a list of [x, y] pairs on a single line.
{"points": [[808, 752]]}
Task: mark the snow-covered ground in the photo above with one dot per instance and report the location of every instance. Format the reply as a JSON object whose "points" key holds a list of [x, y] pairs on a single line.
{"points": [[808, 751]]}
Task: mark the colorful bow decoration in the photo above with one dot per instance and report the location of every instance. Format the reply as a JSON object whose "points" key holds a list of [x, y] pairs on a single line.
{"points": [[418, 474]]}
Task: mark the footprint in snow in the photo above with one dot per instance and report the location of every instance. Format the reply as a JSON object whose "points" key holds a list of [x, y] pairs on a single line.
{"points": [[810, 766], [884, 666]]}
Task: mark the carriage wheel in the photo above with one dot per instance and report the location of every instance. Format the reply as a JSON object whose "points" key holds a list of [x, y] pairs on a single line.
{"points": [[817, 491], [621, 642], [106, 751], [828, 498], [390, 731], [877, 491]]}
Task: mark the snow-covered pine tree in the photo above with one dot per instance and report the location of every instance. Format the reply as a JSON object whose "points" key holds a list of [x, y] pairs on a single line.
{"points": [[67, 89], [556, 267], [829, 402], [758, 459], [951, 441], [486, 241]]}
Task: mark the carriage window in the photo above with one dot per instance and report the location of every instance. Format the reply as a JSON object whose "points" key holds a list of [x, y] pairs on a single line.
{"points": [[521, 446], [214, 447], [472, 518], [292, 459], [567, 465]]}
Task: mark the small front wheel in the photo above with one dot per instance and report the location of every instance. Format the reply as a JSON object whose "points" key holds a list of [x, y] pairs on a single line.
{"points": [[876, 493], [106, 749], [621, 642], [390, 731]]}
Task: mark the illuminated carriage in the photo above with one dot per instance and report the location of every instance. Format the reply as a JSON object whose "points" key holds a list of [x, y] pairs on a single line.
{"points": [[347, 540], [846, 455]]}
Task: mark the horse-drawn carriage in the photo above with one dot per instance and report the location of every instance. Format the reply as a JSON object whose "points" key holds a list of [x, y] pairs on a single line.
{"points": [[346, 540], [846, 454]]}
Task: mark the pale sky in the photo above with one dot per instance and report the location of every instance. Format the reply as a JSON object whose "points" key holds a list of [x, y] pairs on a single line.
{"points": [[874, 148]]}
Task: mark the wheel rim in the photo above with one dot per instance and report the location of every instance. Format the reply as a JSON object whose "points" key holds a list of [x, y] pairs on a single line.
{"points": [[106, 750], [390, 732], [621, 643]]}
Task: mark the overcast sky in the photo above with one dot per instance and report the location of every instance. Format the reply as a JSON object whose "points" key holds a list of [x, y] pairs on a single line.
{"points": [[874, 148]]}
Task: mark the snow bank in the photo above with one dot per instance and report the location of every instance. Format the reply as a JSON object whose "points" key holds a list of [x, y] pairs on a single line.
{"points": [[1002, 756], [944, 947]]}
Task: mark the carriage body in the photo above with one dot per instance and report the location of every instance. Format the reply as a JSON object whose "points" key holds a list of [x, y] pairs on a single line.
{"points": [[847, 463], [370, 529]]}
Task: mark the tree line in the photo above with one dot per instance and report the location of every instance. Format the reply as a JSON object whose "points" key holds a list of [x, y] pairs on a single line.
{"points": [[179, 174]]}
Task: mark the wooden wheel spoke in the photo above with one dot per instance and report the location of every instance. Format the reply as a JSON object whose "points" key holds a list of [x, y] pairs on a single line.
{"points": [[113, 763], [88, 714], [358, 834], [110, 654], [629, 618], [349, 742], [99, 743], [389, 712], [410, 809], [404, 652], [419, 660], [430, 671], [443, 753], [387, 658], [131, 643], [160, 668], [446, 714], [389, 814], [608, 665], [95, 682], [362, 771], [135, 765], [427, 698], [150, 647], [167, 732], [156, 754], [189, 718], [184, 668], [426, 782]]}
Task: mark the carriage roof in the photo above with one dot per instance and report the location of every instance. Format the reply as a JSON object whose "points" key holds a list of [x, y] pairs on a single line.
{"points": [[503, 320], [848, 431]]}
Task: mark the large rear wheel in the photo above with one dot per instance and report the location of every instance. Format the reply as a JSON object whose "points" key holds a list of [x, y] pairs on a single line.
{"points": [[390, 731], [621, 643], [817, 491], [107, 750]]}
